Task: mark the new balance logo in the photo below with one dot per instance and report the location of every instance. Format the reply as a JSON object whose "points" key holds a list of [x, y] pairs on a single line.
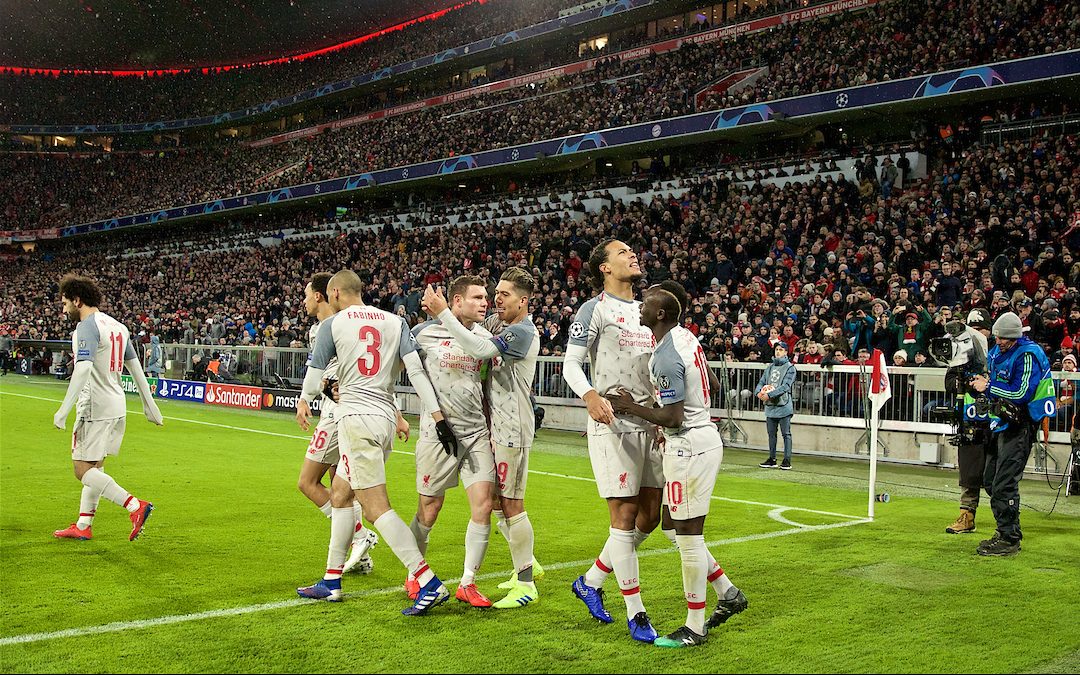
{"points": [[621, 319]]}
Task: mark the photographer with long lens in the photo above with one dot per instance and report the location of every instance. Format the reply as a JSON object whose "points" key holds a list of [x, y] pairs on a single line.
{"points": [[964, 350], [1021, 393]]}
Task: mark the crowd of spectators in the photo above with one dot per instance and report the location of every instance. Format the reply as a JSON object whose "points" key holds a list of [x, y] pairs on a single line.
{"points": [[82, 99], [815, 263], [95, 99], [893, 40]]}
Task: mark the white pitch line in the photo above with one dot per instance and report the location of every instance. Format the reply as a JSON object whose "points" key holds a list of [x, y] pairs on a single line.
{"points": [[406, 452], [122, 626]]}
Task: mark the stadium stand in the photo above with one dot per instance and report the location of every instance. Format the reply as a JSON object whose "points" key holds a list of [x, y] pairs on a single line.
{"points": [[613, 94], [806, 251]]}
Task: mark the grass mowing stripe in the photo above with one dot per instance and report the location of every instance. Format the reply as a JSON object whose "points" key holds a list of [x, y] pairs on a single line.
{"points": [[406, 452], [121, 626]]}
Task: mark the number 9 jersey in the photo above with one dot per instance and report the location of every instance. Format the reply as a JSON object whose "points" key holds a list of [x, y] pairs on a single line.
{"points": [[368, 344]]}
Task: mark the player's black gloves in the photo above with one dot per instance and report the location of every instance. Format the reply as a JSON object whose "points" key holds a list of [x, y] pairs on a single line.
{"points": [[447, 438], [328, 390]]}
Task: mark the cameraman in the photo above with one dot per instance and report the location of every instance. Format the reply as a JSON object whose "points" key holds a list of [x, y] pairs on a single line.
{"points": [[974, 437], [1021, 394]]}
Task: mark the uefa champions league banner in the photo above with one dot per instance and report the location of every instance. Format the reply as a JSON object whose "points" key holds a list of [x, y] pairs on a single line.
{"points": [[1003, 74], [617, 7]]}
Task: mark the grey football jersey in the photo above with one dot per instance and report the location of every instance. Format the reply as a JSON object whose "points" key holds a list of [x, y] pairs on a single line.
{"points": [[104, 342], [457, 378], [619, 350], [369, 343], [510, 385], [680, 372], [330, 373]]}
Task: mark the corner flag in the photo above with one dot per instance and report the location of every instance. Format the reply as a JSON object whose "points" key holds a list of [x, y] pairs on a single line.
{"points": [[880, 391]]}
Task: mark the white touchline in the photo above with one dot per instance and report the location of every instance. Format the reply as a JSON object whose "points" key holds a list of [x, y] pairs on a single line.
{"points": [[406, 452], [121, 626]]}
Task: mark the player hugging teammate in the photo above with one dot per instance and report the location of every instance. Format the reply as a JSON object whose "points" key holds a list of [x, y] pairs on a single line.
{"points": [[626, 434], [654, 449]]}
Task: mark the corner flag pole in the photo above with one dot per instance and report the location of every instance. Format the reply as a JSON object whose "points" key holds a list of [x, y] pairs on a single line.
{"points": [[880, 391], [874, 421]]}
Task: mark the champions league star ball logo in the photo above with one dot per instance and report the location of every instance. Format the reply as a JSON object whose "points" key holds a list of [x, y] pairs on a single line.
{"points": [[577, 330], [663, 382], [842, 101], [509, 337]]}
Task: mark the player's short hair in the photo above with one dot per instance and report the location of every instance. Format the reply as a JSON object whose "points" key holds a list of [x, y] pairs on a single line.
{"points": [[523, 282], [75, 287], [597, 257], [676, 289], [669, 303], [346, 281], [461, 284], [320, 281]]}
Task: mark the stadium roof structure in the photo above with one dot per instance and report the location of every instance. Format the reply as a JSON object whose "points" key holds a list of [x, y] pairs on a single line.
{"points": [[166, 34]]}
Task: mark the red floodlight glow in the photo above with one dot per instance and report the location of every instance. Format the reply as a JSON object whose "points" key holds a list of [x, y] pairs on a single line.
{"points": [[156, 72]]}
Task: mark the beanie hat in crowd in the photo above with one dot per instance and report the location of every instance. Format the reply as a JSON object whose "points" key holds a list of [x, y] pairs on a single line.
{"points": [[1008, 326]]}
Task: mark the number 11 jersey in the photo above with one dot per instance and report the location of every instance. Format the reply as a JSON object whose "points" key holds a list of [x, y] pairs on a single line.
{"points": [[105, 342]]}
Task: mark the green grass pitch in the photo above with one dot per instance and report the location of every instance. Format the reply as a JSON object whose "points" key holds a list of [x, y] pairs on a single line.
{"points": [[210, 585]]}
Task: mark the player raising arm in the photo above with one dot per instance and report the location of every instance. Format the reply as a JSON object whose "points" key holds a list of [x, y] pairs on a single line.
{"points": [[458, 379], [513, 351], [102, 348], [368, 344]]}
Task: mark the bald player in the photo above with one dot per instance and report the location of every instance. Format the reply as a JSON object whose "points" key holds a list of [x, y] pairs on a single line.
{"points": [[369, 343], [322, 455]]}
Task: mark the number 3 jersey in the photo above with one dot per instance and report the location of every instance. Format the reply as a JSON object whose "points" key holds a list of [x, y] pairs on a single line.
{"points": [[458, 379], [368, 344], [105, 342], [681, 373]]}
